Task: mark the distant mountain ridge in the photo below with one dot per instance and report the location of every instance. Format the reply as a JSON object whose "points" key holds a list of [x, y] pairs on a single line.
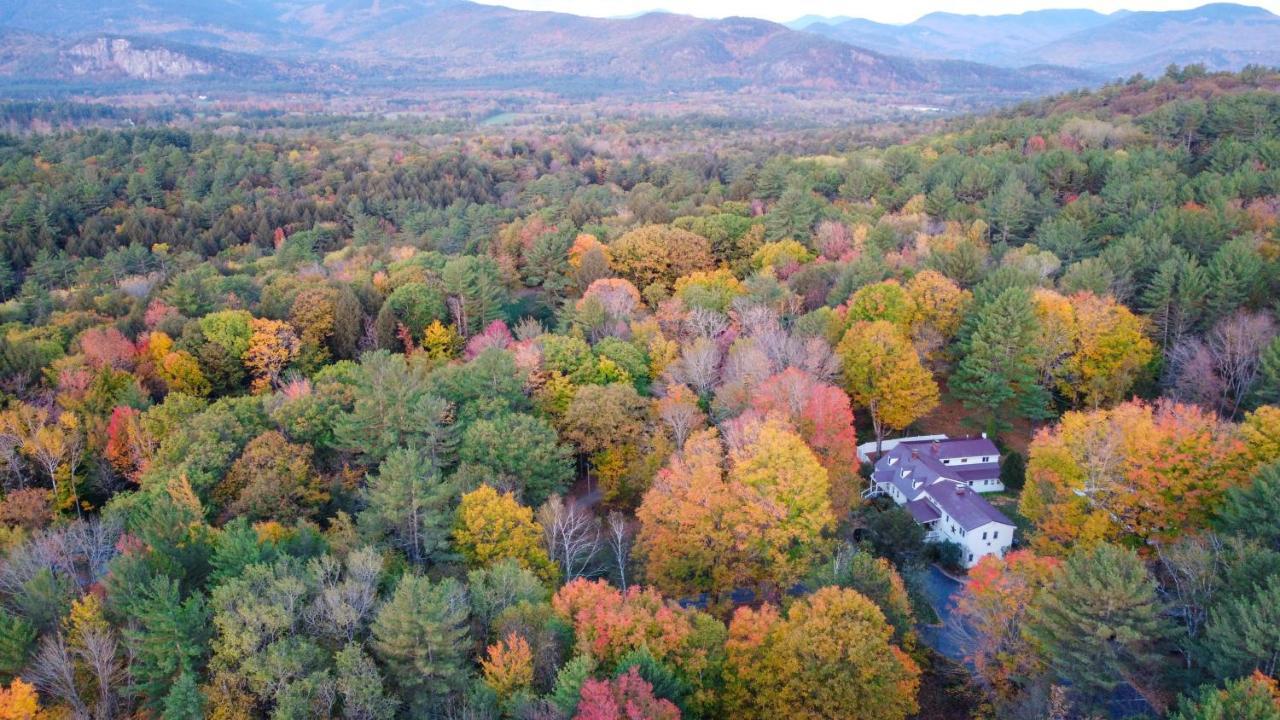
{"points": [[455, 41], [1222, 36]]}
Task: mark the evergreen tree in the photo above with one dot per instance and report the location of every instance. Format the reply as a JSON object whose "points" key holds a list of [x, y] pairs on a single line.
{"points": [[393, 408], [1269, 374], [16, 639], [997, 376], [1012, 208], [475, 295], [409, 504], [1253, 511], [421, 636], [1174, 300], [184, 701], [794, 215], [1235, 276], [169, 642], [1243, 632], [1099, 620]]}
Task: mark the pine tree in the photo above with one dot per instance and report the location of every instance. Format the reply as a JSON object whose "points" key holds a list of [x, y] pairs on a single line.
{"points": [[422, 639], [475, 292], [169, 642], [16, 638], [997, 375], [408, 502], [184, 701], [1174, 300], [1269, 374], [1100, 621], [1012, 208], [1235, 275], [1243, 632]]}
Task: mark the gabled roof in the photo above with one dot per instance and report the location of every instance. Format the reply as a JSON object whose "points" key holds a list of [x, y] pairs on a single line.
{"points": [[969, 509], [954, 447], [932, 488], [922, 511]]}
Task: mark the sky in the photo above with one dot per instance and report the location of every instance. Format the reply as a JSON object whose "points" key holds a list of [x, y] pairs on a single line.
{"points": [[897, 11]]}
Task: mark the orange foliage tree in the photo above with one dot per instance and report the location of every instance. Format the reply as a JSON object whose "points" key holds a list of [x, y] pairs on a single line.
{"points": [[991, 610], [19, 701], [831, 657], [272, 346], [1131, 473], [508, 668], [760, 524]]}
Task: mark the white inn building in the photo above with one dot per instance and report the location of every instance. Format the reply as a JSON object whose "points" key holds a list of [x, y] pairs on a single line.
{"points": [[940, 481]]}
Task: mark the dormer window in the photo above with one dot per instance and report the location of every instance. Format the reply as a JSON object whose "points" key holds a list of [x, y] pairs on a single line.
{"points": [[893, 461]]}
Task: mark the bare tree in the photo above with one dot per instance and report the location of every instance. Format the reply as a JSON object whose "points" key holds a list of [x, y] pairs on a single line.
{"points": [[1189, 580], [620, 537], [98, 651], [1221, 371], [1237, 343], [54, 672], [698, 366], [79, 552], [705, 323], [572, 534], [346, 599], [679, 409]]}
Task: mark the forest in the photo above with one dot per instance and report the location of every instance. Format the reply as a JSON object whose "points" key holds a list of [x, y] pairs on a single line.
{"points": [[362, 419]]}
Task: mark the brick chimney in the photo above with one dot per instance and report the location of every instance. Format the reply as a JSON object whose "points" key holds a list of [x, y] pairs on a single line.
{"points": [[935, 447], [915, 454]]}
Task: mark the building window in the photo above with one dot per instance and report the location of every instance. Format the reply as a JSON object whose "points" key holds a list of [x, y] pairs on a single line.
{"points": [[984, 536], [970, 557], [997, 534]]}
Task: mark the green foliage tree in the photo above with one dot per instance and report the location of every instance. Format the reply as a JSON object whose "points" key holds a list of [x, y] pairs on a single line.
{"points": [[520, 451], [997, 375], [1100, 621], [421, 637], [409, 505]]}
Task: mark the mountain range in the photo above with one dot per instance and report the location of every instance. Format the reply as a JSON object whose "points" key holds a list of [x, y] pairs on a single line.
{"points": [[353, 45], [1222, 36]]}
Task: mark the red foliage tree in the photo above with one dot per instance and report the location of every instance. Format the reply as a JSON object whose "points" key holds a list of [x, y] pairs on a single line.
{"points": [[627, 697], [820, 413]]}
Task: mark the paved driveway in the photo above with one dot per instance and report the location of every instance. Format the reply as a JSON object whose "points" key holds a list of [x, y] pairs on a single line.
{"points": [[941, 592]]}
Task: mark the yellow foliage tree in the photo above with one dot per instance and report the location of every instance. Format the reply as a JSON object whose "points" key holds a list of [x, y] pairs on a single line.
{"points": [[441, 342], [493, 526], [1092, 349], [883, 374], [19, 701], [831, 657]]}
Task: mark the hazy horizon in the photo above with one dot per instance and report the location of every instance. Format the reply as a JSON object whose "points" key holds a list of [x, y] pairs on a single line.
{"points": [[897, 13]]}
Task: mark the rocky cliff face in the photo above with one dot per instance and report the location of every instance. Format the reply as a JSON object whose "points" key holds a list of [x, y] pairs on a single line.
{"points": [[119, 56]]}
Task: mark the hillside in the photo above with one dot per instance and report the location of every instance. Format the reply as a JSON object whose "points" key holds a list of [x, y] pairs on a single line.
{"points": [[378, 418], [1222, 36], [426, 43]]}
